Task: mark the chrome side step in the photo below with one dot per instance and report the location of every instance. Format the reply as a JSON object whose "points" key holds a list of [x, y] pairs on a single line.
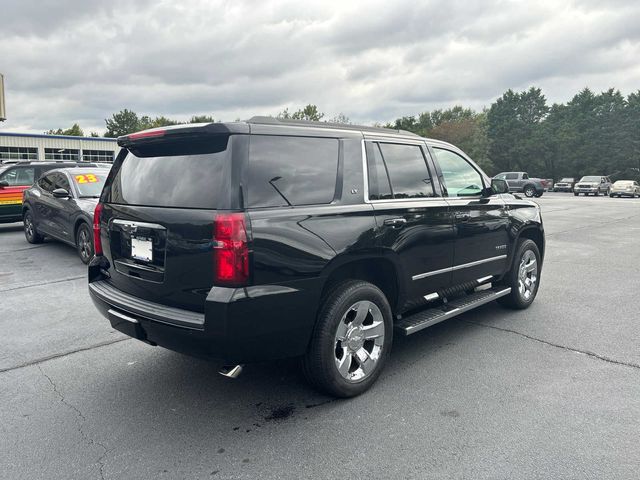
{"points": [[430, 316]]}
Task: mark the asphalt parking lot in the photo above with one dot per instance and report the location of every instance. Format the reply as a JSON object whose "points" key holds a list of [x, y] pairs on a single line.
{"points": [[549, 392]]}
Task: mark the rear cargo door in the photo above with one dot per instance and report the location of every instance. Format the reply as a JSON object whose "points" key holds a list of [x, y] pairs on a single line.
{"points": [[159, 205]]}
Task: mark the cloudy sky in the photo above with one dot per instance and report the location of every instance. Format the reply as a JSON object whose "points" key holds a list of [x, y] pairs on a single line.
{"points": [[68, 61]]}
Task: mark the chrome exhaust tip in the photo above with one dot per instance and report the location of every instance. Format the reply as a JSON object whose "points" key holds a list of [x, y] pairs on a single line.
{"points": [[231, 371]]}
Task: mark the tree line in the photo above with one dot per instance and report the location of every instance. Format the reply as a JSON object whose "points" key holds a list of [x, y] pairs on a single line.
{"points": [[592, 134]]}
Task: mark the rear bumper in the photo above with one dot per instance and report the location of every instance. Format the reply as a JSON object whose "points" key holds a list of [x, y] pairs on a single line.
{"points": [[239, 325], [622, 194]]}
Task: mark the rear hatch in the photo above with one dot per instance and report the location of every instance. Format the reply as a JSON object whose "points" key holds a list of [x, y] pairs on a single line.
{"points": [[159, 205]]}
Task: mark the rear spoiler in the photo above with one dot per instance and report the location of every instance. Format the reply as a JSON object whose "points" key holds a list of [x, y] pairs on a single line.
{"points": [[177, 132]]}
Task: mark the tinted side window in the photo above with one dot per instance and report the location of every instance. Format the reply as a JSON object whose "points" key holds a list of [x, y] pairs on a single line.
{"points": [[511, 176], [47, 182], [460, 178], [408, 171], [291, 170], [61, 181], [379, 187], [19, 177]]}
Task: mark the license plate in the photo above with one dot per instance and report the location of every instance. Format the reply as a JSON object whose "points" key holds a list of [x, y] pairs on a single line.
{"points": [[142, 248]]}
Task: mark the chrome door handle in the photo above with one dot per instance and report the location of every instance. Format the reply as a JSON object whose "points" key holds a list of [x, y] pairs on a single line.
{"points": [[395, 222]]}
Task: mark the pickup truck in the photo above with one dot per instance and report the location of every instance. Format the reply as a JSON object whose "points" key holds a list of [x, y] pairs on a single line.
{"points": [[521, 182]]}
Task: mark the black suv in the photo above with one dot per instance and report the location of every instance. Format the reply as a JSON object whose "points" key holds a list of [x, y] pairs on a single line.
{"points": [[266, 239]]}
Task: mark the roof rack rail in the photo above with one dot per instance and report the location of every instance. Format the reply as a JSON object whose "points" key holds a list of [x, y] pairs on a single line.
{"points": [[264, 120]]}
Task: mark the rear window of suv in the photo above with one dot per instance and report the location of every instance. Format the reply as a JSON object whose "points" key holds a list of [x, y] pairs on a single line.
{"points": [[186, 174], [291, 170]]}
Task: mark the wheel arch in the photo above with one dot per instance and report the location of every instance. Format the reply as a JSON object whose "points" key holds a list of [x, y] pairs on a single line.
{"points": [[535, 234], [381, 270], [79, 221]]}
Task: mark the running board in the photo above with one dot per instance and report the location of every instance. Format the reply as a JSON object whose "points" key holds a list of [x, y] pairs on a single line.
{"points": [[430, 316]]}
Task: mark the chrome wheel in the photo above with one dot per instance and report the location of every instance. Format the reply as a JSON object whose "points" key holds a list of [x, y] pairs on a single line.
{"points": [[529, 192], [359, 341], [28, 227], [527, 275], [85, 248]]}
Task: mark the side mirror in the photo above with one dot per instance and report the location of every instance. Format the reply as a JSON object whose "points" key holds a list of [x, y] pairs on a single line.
{"points": [[499, 186], [61, 193], [4, 184]]}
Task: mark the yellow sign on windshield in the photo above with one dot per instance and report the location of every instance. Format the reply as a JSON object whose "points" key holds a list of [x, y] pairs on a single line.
{"points": [[87, 178]]}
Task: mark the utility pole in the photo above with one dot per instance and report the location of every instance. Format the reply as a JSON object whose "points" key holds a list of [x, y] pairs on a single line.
{"points": [[3, 112]]}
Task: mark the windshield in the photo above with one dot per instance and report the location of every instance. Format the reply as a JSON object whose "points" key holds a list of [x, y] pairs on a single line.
{"points": [[89, 184], [590, 179], [623, 183], [567, 180]]}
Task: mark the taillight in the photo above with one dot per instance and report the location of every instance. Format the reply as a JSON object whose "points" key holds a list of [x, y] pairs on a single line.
{"points": [[230, 251], [146, 134], [97, 241]]}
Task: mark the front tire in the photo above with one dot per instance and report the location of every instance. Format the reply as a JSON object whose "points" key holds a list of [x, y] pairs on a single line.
{"points": [[524, 276], [351, 340], [30, 230], [84, 243]]}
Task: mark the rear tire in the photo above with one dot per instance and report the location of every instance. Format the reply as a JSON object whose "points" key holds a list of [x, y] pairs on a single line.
{"points": [[84, 243], [524, 276], [30, 230], [351, 340], [576, 193]]}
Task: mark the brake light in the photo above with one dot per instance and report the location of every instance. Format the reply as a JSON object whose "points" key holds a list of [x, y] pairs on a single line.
{"points": [[146, 134], [231, 250], [97, 241]]}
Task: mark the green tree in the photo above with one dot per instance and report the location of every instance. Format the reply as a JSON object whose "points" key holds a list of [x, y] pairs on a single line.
{"points": [[201, 119], [122, 123], [147, 122], [74, 131], [514, 130], [340, 118], [310, 112]]}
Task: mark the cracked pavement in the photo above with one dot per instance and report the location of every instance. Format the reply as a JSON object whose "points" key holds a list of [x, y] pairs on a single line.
{"points": [[549, 392]]}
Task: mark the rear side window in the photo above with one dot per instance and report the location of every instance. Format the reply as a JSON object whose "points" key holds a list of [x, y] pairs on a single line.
{"points": [[397, 171], [187, 174], [407, 170], [512, 176], [379, 186], [291, 170]]}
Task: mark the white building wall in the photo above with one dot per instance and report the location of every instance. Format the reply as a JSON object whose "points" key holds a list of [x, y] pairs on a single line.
{"points": [[57, 142]]}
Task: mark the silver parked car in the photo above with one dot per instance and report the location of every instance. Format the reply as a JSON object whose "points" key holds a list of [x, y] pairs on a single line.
{"points": [[593, 184], [625, 188]]}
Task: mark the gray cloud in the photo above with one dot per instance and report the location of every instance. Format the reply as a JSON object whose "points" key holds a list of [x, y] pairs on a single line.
{"points": [[80, 61]]}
